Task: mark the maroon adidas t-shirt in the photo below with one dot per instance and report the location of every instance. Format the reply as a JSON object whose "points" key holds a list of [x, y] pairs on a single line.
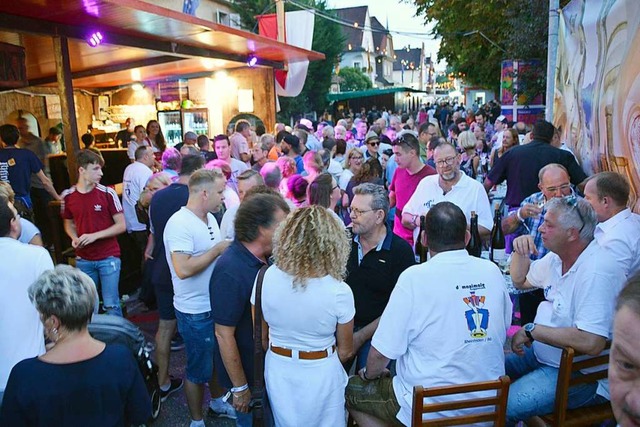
{"points": [[91, 212]]}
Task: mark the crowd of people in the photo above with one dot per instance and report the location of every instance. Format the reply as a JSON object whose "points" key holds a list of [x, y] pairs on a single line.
{"points": [[334, 212]]}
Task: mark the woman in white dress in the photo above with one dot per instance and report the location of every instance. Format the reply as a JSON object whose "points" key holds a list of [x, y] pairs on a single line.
{"points": [[309, 312]]}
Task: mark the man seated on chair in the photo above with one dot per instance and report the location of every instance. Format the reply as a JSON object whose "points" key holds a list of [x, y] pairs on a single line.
{"points": [[445, 324], [624, 369], [581, 282]]}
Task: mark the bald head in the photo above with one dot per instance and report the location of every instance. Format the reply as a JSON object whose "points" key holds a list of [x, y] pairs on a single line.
{"points": [[554, 181]]}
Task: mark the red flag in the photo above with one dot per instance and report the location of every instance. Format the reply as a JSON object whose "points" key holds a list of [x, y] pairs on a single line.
{"points": [[268, 27]]}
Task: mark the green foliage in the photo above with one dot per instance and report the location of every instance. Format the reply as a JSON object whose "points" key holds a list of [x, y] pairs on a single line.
{"points": [[517, 28], [353, 79], [327, 39]]}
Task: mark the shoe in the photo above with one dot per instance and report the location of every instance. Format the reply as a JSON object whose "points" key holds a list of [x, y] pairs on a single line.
{"points": [[177, 343], [176, 384], [222, 410], [149, 346]]}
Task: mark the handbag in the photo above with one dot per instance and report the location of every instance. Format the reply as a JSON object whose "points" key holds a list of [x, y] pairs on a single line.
{"points": [[261, 410]]}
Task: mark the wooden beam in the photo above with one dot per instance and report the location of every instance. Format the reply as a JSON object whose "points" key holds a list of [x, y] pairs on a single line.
{"points": [[107, 69], [173, 48], [67, 104]]}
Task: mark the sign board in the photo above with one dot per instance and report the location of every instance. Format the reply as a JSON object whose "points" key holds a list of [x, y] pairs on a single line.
{"points": [[175, 90], [13, 69], [53, 107]]}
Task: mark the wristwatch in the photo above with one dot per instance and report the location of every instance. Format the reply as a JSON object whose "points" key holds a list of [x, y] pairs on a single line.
{"points": [[528, 328]]}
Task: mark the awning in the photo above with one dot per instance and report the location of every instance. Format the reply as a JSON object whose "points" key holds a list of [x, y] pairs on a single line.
{"points": [[342, 96], [158, 42]]}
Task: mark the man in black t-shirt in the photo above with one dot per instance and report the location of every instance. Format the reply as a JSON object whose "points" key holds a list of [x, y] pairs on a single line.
{"points": [[124, 136], [377, 259]]}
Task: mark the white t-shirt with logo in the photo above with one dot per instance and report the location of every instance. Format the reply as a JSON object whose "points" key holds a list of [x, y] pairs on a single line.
{"points": [[468, 194], [584, 298], [188, 234], [446, 323]]}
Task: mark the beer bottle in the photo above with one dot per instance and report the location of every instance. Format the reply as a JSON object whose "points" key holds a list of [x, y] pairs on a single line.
{"points": [[474, 247], [421, 250], [498, 245]]}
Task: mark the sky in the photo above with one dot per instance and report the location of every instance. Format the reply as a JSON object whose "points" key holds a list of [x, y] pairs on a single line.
{"points": [[400, 16]]}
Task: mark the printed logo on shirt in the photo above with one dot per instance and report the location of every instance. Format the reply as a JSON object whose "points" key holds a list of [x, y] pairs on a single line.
{"points": [[4, 171], [11, 162], [429, 204], [97, 208], [477, 316]]}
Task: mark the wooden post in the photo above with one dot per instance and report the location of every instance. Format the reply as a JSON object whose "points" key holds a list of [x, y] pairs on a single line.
{"points": [[67, 104], [280, 20]]}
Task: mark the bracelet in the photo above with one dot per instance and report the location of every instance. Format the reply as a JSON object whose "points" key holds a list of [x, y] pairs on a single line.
{"points": [[519, 216], [240, 389]]}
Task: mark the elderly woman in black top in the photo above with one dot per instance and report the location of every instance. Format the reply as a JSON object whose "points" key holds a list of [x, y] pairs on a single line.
{"points": [[79, 381]]}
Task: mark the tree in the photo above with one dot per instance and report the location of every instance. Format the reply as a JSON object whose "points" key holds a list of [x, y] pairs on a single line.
{"points": [[353, 79], [327, 39], [477, 37]]}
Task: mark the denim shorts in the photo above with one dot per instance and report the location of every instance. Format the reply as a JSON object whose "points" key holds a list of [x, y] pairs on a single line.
{"points": [[199, 343], [374, 398]]}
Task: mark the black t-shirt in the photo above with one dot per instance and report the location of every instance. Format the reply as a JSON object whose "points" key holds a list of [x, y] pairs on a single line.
{"points": [[124, 136], [374, 279], [521, 164]]}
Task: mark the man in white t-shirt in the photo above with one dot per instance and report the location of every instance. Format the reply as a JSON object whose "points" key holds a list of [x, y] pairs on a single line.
{"points": [[21, 333], [192, 243], [445, 324], [134, 180], [222, 146], [581, 282], [450, 185], [618, 230]]}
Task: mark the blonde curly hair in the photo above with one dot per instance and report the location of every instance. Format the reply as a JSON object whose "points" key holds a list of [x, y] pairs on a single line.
{"points": [[311, 243]]}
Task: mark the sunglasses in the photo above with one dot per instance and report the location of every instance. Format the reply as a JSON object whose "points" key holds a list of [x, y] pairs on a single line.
{"points": [[572, 200], [373, 143]]}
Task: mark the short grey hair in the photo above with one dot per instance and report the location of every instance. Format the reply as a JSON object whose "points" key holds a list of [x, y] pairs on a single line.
{"points": [[271, 175], [328, 132], [67, 293], [379, 195], [578, 215], [267, 139]]}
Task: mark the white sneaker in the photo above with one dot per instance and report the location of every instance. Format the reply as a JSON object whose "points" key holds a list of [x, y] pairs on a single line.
{"points": [[220, 409]]}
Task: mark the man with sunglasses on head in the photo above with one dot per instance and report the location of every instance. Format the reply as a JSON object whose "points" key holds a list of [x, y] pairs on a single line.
{"points": [[553, 182], [449, 185], [581, 282]]}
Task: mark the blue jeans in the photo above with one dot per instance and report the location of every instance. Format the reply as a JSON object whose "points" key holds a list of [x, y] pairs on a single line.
{"points": [[105, 272], [533, 388], [197, 332]]}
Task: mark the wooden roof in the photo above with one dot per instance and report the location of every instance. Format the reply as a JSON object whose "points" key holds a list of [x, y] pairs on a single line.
{"points": [[157, 42]]}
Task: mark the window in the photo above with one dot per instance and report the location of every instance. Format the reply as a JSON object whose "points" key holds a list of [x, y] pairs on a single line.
{"points": [[228, 19], [357, 65]]}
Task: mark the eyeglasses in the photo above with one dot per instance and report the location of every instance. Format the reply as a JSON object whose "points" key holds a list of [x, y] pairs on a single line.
{"points": [[448, 161], [356, 157], [357, 212], [572, 200], [562, 188], [335, 187]]}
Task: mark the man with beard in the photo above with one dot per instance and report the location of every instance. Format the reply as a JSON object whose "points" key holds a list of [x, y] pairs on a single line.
{"points": [[448, 185]]}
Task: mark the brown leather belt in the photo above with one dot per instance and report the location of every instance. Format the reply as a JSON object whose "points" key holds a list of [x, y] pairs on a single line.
{"points": [[306, 355]]}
